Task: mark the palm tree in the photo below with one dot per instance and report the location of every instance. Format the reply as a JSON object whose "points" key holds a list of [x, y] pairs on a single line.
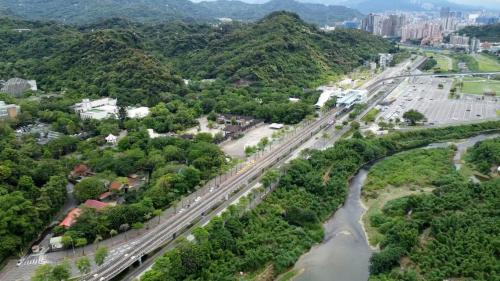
{"points": [[112, 233], [157, 213], [98, 239]]}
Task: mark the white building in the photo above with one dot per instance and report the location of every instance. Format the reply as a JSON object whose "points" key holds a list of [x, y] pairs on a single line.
{"points": [[56, 243], [112, 139], [106, 108], [17, 86], [87, 104], [327, 92], [385, 60], [458, 40], [352, 97], [276, 126], [475, 45], [137, 112]]}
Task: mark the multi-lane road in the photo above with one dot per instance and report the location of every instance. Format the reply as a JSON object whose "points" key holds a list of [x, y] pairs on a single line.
{"points": [[213, 195], [173, 226], [168, 229]]}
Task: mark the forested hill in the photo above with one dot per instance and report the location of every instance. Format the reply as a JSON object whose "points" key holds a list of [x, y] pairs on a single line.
{"points": [[489, 33], [141, 63], [280, 48], [310, 12], [88, 11], [107, 62]]}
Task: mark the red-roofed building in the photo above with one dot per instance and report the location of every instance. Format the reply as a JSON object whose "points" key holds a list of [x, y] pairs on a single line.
{"points": [[94, 204], [116, 186], [81, 170], [71, 218], [106, 196]]}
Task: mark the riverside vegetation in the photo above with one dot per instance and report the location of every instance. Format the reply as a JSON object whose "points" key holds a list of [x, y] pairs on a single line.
{"points": [[288, 222], [143, 64], [448, 232]]}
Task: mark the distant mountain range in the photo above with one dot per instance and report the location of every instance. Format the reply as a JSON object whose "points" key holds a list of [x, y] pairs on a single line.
{"points": [[89, 11], [367, 6]]}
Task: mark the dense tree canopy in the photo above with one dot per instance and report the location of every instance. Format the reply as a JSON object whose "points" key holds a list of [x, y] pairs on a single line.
{"points": [[89, 188], [168, 10], [485, 155], [257, 67], [449, 233], [287, 223], [490, 33]]}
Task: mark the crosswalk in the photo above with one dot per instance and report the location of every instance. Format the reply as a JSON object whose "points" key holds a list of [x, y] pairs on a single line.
{"points": [[34, 260]]}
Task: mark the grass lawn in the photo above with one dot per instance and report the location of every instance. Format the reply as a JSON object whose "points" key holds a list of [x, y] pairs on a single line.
{"points": [[443, 62], [478, 86], [487, 63], [370, 116], [413, 168]]}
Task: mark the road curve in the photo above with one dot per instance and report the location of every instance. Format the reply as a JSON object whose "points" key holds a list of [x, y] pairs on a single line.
{"points": [[166, 230]]}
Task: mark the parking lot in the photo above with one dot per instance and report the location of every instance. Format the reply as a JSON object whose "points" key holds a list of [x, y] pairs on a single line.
{"points": [[430, 96]]}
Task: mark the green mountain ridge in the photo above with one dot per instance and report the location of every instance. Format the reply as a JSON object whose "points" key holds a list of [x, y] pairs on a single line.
{"points": [[489, 33], [88, 11], [102, 63], [274, 59], [280, 48]]}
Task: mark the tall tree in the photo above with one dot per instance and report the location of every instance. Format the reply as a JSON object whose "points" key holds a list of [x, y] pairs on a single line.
{"points": [[413, 116], [100, 255], [83, 265]]}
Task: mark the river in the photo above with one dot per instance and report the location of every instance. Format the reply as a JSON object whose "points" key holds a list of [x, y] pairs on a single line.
{"points": [[344, 254]]}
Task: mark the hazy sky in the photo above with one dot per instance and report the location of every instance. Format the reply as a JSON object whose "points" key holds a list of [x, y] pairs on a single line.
{"points": [[495, 4], [490, 3]]}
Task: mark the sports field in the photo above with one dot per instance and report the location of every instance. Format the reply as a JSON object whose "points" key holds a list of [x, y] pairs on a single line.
{"points": [[478, 86], [444, 63], [487, 63]]}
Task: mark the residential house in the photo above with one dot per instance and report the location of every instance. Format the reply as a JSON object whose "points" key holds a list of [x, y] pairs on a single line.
{"points": [[133, 181], [94, 204], [71, 218], [80, 171], [107, 196], [118, 186]]}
